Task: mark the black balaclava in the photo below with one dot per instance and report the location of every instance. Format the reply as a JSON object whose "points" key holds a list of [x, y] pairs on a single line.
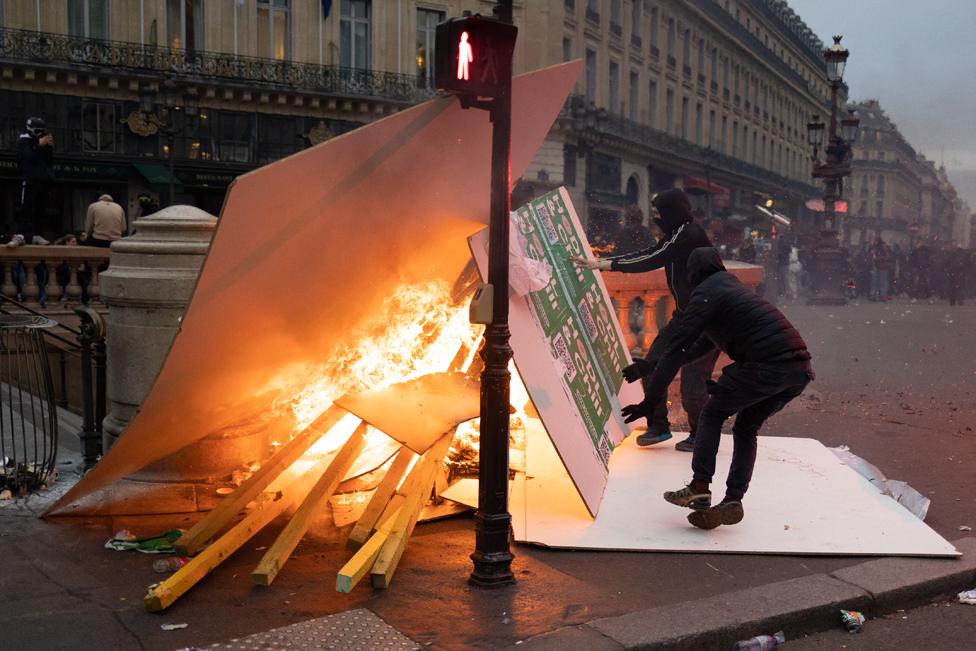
{"points": [[674, 208], [702, 263]]}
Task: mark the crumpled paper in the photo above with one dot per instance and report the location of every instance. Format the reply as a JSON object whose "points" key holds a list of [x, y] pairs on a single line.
{"points": [[968, 597], [525, 274], [901, 492]]}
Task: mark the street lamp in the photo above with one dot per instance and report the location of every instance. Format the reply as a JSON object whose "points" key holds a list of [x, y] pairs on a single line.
{"points": [[588, 123], [173, 97], [828, 259]]}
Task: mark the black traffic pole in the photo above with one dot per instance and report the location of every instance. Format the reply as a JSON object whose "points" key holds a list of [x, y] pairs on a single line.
{"points": [[492, 556]]}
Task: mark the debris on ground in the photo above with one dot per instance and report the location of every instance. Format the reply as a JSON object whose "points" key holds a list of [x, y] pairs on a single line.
{"points": [[852, 620], [899, 491], [760, 642], [968, 597], [125, 540], [172, 627]]}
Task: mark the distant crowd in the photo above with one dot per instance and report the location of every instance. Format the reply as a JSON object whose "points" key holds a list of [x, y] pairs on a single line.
{"points": [[876, 271]]}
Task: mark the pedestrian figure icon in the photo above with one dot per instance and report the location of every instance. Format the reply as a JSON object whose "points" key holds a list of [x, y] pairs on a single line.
{"points": [[465, 57]]}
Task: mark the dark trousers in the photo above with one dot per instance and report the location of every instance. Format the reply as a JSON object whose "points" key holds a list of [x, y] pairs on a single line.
{"points": [[33, 213], [755, 391], [694, 376]]}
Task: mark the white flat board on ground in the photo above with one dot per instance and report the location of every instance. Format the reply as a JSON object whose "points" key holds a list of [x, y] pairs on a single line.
{"points": [[567, 344], [802, 500]]}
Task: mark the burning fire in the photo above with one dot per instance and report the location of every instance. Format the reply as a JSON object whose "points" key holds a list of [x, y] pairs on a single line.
{"points": [[418, 330]]}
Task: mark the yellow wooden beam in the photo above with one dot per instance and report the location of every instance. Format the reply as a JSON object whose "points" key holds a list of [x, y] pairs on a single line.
{"points": [[277, 555], [406, 519], [161, 595], [370, 518], [228, 508], [361, 562]]}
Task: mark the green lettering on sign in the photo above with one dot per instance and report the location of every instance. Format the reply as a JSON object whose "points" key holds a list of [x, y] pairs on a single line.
{"points": [[576, 320]]}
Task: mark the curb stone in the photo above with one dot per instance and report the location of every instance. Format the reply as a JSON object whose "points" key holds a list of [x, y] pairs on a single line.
{"points": [[798, 606], [801, 605], [899, 582]]}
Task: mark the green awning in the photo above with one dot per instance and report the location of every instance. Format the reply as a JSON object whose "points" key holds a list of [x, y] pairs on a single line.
{"points": [[158, 176]]}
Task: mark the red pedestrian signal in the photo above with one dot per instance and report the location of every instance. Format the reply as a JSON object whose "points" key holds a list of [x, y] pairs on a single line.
{"points": [[473, 56]]}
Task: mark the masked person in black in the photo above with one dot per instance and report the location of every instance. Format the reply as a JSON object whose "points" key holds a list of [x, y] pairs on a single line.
{"points": [[770, 366], [35, 162], [682, 235]]}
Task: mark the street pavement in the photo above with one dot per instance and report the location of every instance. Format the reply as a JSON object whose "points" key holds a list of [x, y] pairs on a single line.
{"points": [[895, 382]]}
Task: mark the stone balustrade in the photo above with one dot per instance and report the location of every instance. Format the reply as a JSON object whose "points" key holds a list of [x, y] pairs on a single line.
{"points": [[651, 288], [79, 262]]}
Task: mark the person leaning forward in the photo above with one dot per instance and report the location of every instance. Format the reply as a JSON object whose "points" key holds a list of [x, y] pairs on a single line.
{"points": [[104, 222], [770, 366], [682, 235]]}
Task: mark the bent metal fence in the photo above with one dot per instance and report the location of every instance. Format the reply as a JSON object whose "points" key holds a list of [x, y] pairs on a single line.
{"points": [[29, 394], [28, 416]]}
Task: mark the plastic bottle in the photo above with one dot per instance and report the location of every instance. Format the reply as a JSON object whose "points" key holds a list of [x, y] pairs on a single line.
{"points": [[760, 642], [169, 564]]}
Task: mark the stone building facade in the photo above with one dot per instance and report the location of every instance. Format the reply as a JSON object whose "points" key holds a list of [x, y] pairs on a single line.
{"points": [[709, 95], [895, 192]]}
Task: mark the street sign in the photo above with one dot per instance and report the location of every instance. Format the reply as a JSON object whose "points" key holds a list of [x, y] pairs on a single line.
{"points": [[473, 56]]}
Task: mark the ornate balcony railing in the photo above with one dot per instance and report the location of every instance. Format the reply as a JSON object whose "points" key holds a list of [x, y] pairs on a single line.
{"points": [[58, 49], [624, 128]]}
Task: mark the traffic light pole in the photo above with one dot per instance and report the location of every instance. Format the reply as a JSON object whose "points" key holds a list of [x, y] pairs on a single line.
{"points": [[492, 556]]}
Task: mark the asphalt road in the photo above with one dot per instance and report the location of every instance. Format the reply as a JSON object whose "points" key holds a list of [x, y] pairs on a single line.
{"points": [[896, 383]]}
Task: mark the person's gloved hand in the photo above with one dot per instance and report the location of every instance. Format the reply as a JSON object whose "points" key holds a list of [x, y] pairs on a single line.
{"points": [[639, 410], [640, 368]]}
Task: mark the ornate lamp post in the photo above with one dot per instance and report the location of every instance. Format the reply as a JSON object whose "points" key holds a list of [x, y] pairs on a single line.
{"points": [[828, 258], [588, 123]]}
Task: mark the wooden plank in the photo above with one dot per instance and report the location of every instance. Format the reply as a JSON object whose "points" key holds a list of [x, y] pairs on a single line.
{"points": [[381, 497], [161, 595], [279, 552], [361, 562], [229, 507], [406, 519]]}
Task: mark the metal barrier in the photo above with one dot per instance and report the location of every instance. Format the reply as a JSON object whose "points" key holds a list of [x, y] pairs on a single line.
{"points": [[28, 415], [89, 348]]}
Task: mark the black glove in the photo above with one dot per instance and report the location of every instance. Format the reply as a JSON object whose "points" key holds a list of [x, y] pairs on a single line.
{"points": [[633, 412], [640, 368]]}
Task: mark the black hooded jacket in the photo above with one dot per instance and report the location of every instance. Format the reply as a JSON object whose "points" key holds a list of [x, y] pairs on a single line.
{"points": [[682, 235], [725, 313]]}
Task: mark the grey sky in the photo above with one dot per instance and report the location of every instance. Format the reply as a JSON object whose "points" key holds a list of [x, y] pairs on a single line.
{"points": [[916, 58]]}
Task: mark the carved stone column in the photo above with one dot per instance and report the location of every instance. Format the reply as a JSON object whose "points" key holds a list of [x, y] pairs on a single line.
{"points": [[147, 289]]}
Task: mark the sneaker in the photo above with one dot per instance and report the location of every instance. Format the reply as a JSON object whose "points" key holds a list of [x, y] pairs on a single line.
{"points": [[688, 445], [723, 513], [689, 497], [40, 241], [16, 240], [650, 437]]}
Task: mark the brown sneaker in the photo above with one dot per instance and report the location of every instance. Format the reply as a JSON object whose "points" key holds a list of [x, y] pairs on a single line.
{"points": [[723, 513], [689, 497]]}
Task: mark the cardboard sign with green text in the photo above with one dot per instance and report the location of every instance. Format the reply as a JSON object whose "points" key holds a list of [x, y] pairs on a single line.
{"points": [[568, 344]]}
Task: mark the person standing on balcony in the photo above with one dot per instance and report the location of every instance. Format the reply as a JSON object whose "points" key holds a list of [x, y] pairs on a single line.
{"points": [[35, 163], [682, 235], [104, 223]]}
